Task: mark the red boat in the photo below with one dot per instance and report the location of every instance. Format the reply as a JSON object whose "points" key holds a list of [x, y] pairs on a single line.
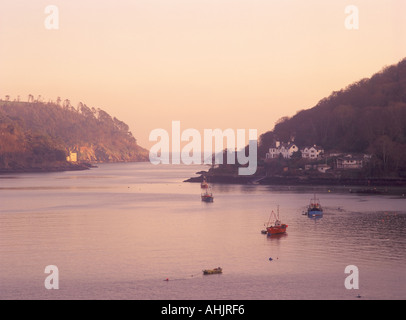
{"points": [[207, 196], [275, 227]]}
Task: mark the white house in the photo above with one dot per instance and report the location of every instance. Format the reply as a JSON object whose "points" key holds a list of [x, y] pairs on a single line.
{"points": [[287, 150], [350, 162], [273, 151], [73, 157], [313, 152], [284, 149]]}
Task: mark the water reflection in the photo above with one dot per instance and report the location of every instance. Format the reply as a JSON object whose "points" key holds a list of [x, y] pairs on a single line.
{"points": [[276, 237], [315, 217]]}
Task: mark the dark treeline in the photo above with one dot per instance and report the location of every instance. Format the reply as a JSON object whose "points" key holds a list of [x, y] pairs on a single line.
{"points": [[35, 133], [368, 116]]}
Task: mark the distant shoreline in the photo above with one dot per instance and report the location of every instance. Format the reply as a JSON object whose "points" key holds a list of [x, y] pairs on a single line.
{"points": [[61, 167], [300, 181], [47, 169]]}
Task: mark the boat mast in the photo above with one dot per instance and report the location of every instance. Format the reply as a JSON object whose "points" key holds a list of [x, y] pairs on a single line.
{"points": [[269, 220]]}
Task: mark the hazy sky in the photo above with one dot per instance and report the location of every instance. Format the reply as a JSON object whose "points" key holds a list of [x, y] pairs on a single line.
{"points": [[240, 64]]}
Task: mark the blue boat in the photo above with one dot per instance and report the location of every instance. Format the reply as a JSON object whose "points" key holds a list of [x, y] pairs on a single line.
{"points": [[314, 209]]}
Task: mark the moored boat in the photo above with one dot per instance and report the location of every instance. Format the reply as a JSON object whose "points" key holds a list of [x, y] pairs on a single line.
{"points": [[274, 225], [314, 209], [213, 271], [207, 196]]}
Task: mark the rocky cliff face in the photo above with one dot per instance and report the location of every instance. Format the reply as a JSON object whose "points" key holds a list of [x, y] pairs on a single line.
{"points": [[99, 153]]}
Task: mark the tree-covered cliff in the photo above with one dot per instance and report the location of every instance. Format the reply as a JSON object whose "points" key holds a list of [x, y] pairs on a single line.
{"points": [[35, 134], [368, 116]]}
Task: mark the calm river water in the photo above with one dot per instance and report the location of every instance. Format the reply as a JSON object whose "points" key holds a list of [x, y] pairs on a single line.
{"points": [[120, 230]]}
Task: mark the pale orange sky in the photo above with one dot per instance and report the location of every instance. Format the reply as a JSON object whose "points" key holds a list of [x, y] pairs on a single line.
{"points": [[240, 64]]}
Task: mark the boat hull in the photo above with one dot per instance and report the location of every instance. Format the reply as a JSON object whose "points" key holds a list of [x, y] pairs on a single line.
{"points": [[314, 209], [314, 213], [207, 199], [276, 229], [213, 271]]}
